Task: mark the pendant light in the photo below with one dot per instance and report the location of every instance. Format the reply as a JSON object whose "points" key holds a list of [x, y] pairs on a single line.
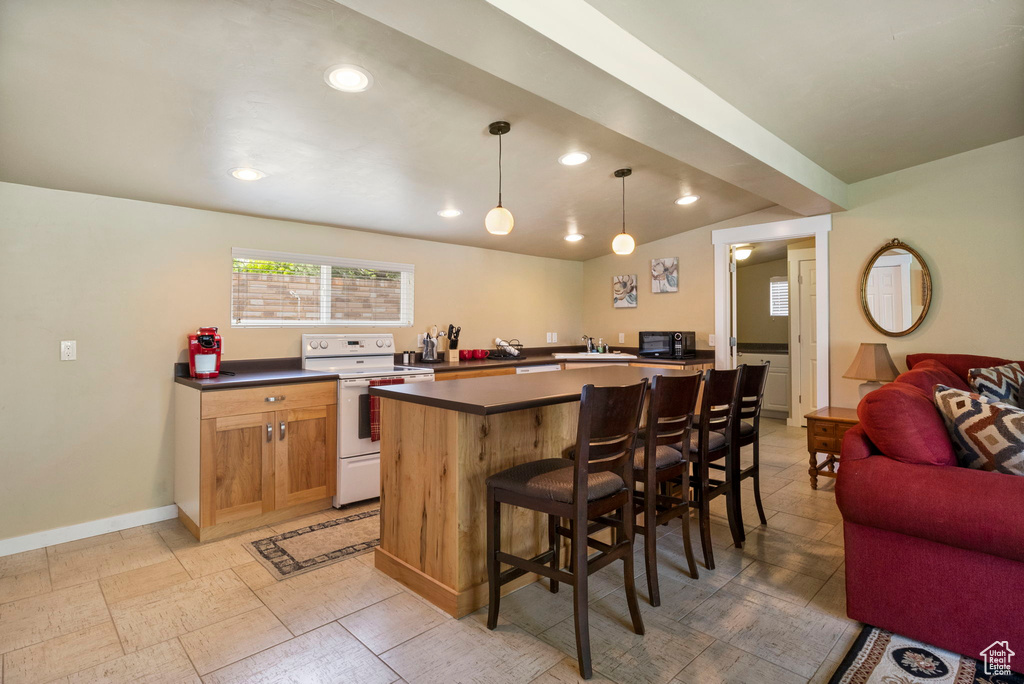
{"points": [[623, 242], [499, 220]]}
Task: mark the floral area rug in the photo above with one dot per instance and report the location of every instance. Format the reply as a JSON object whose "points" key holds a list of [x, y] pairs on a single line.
{"points": [[314, 546], [881, 657]]}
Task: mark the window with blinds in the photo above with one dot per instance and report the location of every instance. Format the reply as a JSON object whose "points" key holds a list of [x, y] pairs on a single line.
{"points": [[778, 296], [278, 289]]}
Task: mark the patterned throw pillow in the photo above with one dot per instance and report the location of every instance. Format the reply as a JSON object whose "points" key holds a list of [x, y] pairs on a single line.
{"points": [[985, 436], [999, 383]]}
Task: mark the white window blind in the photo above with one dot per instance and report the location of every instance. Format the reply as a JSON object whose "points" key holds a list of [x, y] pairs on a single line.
{"points": [[778, 295], [279, 289]]}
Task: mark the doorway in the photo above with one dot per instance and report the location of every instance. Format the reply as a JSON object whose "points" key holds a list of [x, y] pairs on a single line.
{"points": [[811, 371]]}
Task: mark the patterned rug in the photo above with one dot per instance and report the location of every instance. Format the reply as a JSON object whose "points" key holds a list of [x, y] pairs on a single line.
{"points": [[881, 657], [314, 546]]}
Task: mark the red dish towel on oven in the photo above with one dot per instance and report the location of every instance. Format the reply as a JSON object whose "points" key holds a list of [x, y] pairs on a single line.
{"points": [[375, 405]]}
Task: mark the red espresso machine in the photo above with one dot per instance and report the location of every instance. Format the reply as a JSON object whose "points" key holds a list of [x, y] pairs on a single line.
{"points": [[204, 349]]}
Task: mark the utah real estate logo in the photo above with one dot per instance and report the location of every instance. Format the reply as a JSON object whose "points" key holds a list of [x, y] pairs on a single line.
{"points": [[997, 658]]}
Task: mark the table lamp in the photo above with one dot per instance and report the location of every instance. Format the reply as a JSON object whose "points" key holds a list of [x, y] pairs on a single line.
{"points": [[872, 363]]}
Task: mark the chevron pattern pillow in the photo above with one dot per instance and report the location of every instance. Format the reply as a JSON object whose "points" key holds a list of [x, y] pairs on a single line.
{"points": [[985, 436], [999, 383]]}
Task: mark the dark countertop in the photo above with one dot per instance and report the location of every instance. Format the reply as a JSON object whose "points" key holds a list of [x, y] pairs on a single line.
{"points": [[257, 372], [762, 348], [503, 393]]}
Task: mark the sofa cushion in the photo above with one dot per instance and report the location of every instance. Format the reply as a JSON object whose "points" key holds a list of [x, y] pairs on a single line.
{"points": [[960, 364], [986, 436], [998, 383], [929, 373], [903, 422]]}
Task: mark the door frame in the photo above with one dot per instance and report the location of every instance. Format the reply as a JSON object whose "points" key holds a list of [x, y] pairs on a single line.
{"points": [[793, 259], [723, 239]]}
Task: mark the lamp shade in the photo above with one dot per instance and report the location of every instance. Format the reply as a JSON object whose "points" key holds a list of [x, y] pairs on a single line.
{"points": [[623, 244], [872, 362], [499, 221]]}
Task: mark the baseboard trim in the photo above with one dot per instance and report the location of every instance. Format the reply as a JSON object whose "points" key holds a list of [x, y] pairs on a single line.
{"points": [[60, 535]]}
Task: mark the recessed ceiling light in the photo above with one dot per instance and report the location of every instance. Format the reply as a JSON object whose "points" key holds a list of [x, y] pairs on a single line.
{"points": [[348, 78], [573, 158], [573, 237], [246, 174], [449, 213], [687, 199]]}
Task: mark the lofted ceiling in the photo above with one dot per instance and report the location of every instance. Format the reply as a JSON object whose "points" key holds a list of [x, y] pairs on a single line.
{"points": [[156, 101], [862, 88]]}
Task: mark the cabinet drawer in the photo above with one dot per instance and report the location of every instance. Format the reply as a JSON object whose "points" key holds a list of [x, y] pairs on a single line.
{"points": [[823, 443], [235, 402], [840, 432], [820, 429]]}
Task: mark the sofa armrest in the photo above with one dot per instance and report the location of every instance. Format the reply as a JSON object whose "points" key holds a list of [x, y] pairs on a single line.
{"points": [[969, 509], [856, 445]]}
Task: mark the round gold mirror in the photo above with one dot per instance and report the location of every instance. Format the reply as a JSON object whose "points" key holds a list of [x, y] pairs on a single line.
{"points": [[896, 289]]}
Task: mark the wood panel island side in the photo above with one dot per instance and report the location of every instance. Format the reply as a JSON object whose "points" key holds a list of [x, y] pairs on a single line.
{"points": [[440, 442]]}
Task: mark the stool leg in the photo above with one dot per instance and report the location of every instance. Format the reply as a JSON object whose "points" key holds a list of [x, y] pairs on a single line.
{"points": [[553, 546], [687, 546], [627, 570], [650, 546], [581, 591], [757, 480], [493, 544], [704, 514]]}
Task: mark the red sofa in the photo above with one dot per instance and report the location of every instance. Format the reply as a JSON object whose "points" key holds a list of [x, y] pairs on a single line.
{"points": [[934, 552]]}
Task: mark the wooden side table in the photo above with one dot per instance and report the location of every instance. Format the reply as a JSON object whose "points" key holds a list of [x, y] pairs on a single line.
{"points": [[825, 430]]}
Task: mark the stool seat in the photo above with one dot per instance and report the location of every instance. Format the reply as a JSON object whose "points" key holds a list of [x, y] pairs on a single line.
{"points": [[664, 457], [552, 479], [716, 440]]}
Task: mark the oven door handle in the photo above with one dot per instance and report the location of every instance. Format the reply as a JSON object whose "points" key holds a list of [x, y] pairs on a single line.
{"points": [[364, 416]]}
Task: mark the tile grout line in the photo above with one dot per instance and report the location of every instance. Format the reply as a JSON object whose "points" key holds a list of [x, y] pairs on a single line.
{"points": [[185, 651]]}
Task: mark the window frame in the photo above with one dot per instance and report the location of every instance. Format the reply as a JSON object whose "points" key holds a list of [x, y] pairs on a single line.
{"points": [[326, 263]]}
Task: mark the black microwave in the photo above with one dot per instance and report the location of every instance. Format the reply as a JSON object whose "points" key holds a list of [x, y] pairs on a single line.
{"points": [[668, 345]]}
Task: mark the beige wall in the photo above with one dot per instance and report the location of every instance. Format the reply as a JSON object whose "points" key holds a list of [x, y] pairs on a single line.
{"points": [[129, 280], [965, 215], [753, 324], [692, 308]]}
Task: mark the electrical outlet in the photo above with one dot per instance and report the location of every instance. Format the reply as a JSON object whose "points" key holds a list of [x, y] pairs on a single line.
{"points": [[554, 337], [711, 340], [419, 340], [68, 350], [622, 337]]}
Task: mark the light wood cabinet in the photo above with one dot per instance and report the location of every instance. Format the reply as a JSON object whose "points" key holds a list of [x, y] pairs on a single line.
{"points": [[481, 373], [239, 466]]}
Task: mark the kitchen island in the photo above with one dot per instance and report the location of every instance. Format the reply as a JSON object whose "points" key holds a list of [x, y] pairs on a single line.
{"points": [[439, 443]]}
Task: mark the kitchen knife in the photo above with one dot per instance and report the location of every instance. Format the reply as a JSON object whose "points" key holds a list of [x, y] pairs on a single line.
{"points": [[451, 334], [454, 341]]}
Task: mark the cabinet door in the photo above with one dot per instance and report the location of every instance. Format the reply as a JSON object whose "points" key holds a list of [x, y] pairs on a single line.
{"points": [[776, 391], [236, 467], [305, 454]]}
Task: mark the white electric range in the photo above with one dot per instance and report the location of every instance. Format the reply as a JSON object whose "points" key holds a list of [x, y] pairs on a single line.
{"points": [[357, 359]]}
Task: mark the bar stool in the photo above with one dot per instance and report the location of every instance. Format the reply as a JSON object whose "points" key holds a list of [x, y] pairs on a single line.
{"points": [[662, 461], [599, 481], [713, 442], [748, 427]]}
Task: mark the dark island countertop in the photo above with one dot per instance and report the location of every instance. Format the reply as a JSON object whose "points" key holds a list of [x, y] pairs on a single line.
{"points": [[503, 393], [260, 372]]}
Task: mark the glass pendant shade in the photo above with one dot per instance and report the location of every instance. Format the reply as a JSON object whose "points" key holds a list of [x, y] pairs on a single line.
{"points": [[623, 244], [499, 221]]}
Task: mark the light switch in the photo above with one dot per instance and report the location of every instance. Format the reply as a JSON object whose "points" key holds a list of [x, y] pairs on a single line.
{"points": [[554, 337], [419, 340], [549, 338], [622, 337], [711, 340], [68, 350]]}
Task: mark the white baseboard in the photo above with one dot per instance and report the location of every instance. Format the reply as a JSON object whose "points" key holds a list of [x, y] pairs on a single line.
{"points": [[38, 540]]}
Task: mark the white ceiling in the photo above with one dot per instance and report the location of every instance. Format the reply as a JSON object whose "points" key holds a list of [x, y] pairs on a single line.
{"points": [[159, 102], [862, 88]]}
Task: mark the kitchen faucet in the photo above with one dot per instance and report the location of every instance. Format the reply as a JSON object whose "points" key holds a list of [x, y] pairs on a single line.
{"points": [[590, 343]]}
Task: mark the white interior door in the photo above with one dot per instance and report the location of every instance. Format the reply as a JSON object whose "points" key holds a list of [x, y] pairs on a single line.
{"points": [[807, 398], [888, 292]]}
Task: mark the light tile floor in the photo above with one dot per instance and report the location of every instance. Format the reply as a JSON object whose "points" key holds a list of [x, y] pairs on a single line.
{"points": [[150, 604]]}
